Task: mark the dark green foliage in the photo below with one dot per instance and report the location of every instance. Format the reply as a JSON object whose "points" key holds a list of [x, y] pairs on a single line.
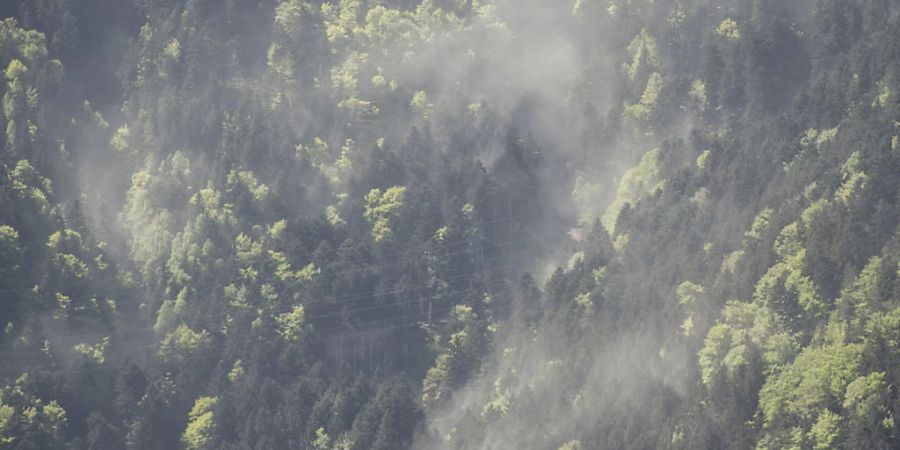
{"points": [[393, 224]]}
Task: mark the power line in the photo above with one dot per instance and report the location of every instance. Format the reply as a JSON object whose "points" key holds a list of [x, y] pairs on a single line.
{"points": [[213, 319], [351, 297], [328, 332]]}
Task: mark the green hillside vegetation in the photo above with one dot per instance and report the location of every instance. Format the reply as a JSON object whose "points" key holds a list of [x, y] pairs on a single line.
{"points": [[482, 224]]}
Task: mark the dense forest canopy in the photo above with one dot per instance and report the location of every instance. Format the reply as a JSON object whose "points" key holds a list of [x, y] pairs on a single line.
{"points": [[466, 224]]}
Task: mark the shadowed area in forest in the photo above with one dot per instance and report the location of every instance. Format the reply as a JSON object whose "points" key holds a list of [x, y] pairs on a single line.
{"points": [[467, 224]]}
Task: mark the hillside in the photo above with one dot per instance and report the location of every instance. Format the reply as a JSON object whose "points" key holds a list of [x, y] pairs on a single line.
{"points": [[461, 224]]}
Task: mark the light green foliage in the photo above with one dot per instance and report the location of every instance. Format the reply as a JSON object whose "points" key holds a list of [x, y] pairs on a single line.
{"points": [[237, 372], [14, 102], [291, 324], [334, 216], [854, 179], [698, 97], [337, 168], [461, 352], [760, 224], [434, 386], [172, 50], [282, 266], [170, 311], [500, 402], [341, 20], [574, 260], [788, 243], [884, 94], [688, 293], [807, 293], [647, 108], [10, 251], [276, 231], [184, 344], [716, 346], [285, 273], [644, 55], [728, 29], [268, 293], [344, 78], [826, 433], [229, 246], [703, 160], [29, 73], [198, 434], [865, 291], [93, 353], [293, 19], [621, 241], [345, 82], [799, 395], [809, 137], [584, 303], [169, 58], [441, 234], [63, 247], [816, 208], [420, 104], [15, 70], [64, 306], [378, 80], [785, 286], [27, 421], [730, 262], [323, 441], [882, 332], [382, 208], [344, 442], [343, 165], [12, 137], [318, 153], [246, 180], [214, 207], [120, 140], [826, 136], [64, 241], [463, 315], [149, 227], [748, 340], [385, 27], [237, 297], [868, 405], [247, 250], [358, 107], [191, 248], [677, 16], [639, 180], [780, 349], [30, 188], [6, 417], [382, 45]]}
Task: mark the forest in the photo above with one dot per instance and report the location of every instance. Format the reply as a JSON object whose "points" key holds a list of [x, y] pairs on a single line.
{"points": [[450, 224]]}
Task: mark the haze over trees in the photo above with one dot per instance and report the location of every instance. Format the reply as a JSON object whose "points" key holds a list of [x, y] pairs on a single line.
{"points": [[462, 224]]}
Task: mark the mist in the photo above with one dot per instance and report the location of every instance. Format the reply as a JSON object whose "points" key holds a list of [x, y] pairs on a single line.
{"points": [[461, 224]]}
